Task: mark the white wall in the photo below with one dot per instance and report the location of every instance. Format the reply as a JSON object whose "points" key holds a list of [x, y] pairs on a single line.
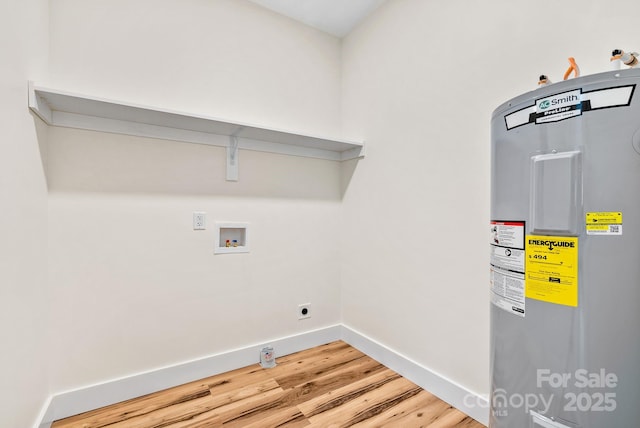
{"points": [[420, 81], [222, 58], [23, 202], [133, 286]]}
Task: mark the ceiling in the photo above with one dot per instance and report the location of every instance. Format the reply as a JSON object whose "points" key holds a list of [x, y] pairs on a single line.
{"points": [[336, 17]]}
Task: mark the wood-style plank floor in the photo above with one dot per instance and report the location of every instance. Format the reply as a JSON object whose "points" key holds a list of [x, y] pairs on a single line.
{"points": [[333, 385]]}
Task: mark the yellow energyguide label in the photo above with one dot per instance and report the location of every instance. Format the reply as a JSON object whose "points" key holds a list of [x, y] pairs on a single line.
{"points": [[551, 269]]}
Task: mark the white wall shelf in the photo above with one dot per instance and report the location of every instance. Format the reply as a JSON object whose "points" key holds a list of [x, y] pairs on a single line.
{"points": [[65, 109]]}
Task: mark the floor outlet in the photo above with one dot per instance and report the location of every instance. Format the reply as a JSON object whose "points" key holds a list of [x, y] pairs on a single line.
{"points": [[304, 311], [199, 220]]}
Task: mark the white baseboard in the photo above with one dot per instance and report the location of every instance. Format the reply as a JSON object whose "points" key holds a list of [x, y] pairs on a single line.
{"points": [[91, 397], [461, 398]]}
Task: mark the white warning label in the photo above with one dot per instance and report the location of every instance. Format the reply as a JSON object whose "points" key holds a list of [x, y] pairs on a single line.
{"points": [[509, 234], [507, 255], [507, 290]]}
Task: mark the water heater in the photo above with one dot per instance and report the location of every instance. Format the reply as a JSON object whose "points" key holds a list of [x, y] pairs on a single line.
{"points": [[565, 255]]}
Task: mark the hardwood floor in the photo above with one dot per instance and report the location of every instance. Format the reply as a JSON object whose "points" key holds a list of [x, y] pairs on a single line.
{"points": [[333, 385]]}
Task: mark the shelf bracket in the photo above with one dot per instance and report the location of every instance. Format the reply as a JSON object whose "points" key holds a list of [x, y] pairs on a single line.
{"points": [[232, 158]]}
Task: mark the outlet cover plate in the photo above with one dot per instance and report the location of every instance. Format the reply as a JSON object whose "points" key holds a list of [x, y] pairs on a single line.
{"points": [[304, 311], [199, 220]]}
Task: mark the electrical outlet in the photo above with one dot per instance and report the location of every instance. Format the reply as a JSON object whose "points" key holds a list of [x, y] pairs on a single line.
{"points": [[304, 311], [199, 220]]}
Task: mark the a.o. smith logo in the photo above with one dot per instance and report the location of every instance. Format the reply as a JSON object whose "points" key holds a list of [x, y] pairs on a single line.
{"points": [[559, 107], [544, 105], [559, 101]]}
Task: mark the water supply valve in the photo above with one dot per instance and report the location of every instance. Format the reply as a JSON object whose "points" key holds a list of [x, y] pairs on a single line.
{"points": [[629, 59], [544, 80]]}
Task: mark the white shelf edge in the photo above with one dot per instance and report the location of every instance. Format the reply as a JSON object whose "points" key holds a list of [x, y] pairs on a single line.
{"points": [[70, 110]]}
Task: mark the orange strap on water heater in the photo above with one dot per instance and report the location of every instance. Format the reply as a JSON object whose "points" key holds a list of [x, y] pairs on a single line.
{"points": [[572, 67]]}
